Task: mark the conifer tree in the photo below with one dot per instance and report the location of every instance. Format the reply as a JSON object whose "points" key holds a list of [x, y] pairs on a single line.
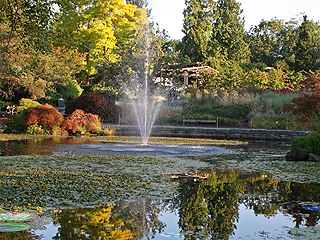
{"points": [[197, 28], [228, 32], [305, 51]]}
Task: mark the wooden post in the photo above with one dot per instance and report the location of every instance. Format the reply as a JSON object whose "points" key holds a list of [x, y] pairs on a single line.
{"points": [[185, 78]]}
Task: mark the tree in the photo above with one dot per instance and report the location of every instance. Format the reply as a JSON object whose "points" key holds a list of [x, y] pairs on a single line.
{"points": [[227, 39], [266, 42], [95, 27], [23, 41], [197, 28], [19, 18], [306, 50], [138, 3]]}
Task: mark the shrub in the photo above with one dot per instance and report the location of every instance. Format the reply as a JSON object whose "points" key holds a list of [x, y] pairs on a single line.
{"points": [[311, 142], [25, 104], [35, 129], [228, 111], [44, 115], [109, 131], [219, 106], [16, 123], [271, 102], [276, 122], [95, 88], [101, 104], [307, 105], [80, 122]]}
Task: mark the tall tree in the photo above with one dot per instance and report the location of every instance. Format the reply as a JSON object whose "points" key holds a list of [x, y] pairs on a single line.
{"points": [[266, 42], [306, 51], [228, 32], [197, 28], [95, 27], [24, 31]]}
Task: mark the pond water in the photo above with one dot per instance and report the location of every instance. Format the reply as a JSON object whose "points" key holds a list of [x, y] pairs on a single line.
{"points": [[231, 203]]}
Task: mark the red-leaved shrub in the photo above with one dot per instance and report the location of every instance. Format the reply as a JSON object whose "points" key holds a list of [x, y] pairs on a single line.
{"points": [[44, 115], [80, 122], [307, 104]]}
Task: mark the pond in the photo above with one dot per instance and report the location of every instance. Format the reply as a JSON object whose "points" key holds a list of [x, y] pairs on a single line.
{"points": [[77, 189]]}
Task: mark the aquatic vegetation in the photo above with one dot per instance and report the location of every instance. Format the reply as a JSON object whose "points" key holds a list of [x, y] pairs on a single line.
{"points": [[306, 233], [9, 137], [302, 172], [132, 139], [68, 181], [162, 140]]}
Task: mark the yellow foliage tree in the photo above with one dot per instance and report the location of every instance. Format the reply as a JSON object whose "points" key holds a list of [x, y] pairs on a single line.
{"points": [[96, 26]]}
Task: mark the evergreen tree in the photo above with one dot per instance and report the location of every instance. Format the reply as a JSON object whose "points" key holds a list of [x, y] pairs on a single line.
{"points": [[228, 32], [305, 51], [197, 28]]}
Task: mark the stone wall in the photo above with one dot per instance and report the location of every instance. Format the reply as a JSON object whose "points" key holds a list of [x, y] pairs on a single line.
{"points": [[215, 133]]}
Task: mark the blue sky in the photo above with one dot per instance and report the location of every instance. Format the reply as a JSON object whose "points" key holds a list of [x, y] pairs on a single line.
{"points": [[168, 13]]}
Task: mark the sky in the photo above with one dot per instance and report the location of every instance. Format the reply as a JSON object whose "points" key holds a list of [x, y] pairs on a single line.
{"points": [[169, 13]]}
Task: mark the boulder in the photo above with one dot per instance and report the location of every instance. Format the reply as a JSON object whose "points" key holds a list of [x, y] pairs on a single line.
{"points": [[313, 158], [301, 154], [289, 156]]}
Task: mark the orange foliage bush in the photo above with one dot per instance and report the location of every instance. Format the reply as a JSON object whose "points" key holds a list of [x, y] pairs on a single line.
{"points": [[80, 122], [306, 105], [45, 115]]}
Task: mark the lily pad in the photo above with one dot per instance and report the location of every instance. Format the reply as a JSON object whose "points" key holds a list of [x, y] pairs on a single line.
{"points": [[172, 235], [15, 216], [13, 227]]}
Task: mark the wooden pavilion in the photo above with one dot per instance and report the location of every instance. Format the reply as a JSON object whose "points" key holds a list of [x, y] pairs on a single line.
{"points": [[187, 72]]}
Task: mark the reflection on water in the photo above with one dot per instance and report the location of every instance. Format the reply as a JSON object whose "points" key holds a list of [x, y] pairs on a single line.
{"points": [[37, 146], [227, 205], [59, 146]]}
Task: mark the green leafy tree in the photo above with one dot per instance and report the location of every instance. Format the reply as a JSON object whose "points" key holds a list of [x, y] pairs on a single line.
{"points": [[266, 42], [197, 28], [231, 75], [23, 41]]}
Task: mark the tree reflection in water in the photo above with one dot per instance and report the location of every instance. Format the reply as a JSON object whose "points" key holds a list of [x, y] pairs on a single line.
{"points": [[122, 220], [207, 209], [210, 208]]}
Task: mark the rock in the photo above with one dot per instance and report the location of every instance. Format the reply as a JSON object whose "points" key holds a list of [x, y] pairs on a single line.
{"points": [[289, 156], [301, 154], [313, 158]]}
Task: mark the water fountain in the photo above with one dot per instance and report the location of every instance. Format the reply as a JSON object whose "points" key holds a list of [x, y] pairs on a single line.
{"points": [[146, 107], [145, 102]]}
